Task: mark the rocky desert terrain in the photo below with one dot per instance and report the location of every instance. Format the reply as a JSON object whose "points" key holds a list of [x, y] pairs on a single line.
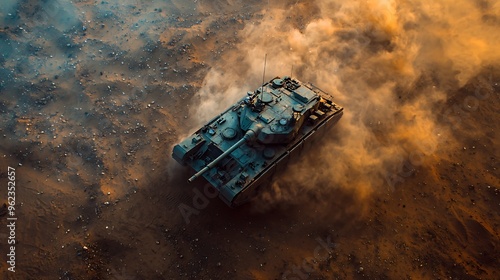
{"points": [[94, 94]]}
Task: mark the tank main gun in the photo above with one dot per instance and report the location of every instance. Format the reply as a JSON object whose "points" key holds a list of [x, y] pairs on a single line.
{"points": [[249, 136]]}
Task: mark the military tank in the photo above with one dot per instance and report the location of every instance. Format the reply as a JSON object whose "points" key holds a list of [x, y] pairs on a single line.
{"points": [[239, 151]]}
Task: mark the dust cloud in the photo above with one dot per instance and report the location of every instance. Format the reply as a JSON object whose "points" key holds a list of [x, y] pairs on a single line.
{"points": [[390, 64]]}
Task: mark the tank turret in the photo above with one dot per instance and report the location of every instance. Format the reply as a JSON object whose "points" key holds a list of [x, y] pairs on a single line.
{"points": [[241, 149]]}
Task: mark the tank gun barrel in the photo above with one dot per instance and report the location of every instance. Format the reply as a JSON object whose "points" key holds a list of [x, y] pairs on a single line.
{"points": [[248, 136]]}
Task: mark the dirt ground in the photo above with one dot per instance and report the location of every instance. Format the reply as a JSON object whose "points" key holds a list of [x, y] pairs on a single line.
{"points": [[94, 94]]}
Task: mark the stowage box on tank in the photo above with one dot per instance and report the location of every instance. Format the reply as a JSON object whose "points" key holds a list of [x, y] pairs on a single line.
{"points": [[240, 150]]}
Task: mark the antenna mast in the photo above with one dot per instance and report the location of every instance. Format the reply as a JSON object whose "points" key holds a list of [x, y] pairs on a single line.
{"points": [[265, 62], [264, 75]]}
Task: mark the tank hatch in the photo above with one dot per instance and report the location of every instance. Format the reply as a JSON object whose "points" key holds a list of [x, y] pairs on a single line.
{"points": [[304, 94]]}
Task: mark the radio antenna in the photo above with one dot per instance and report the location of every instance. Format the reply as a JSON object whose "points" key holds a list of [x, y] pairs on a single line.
{"points": [[264, 74], [265, 62]]}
